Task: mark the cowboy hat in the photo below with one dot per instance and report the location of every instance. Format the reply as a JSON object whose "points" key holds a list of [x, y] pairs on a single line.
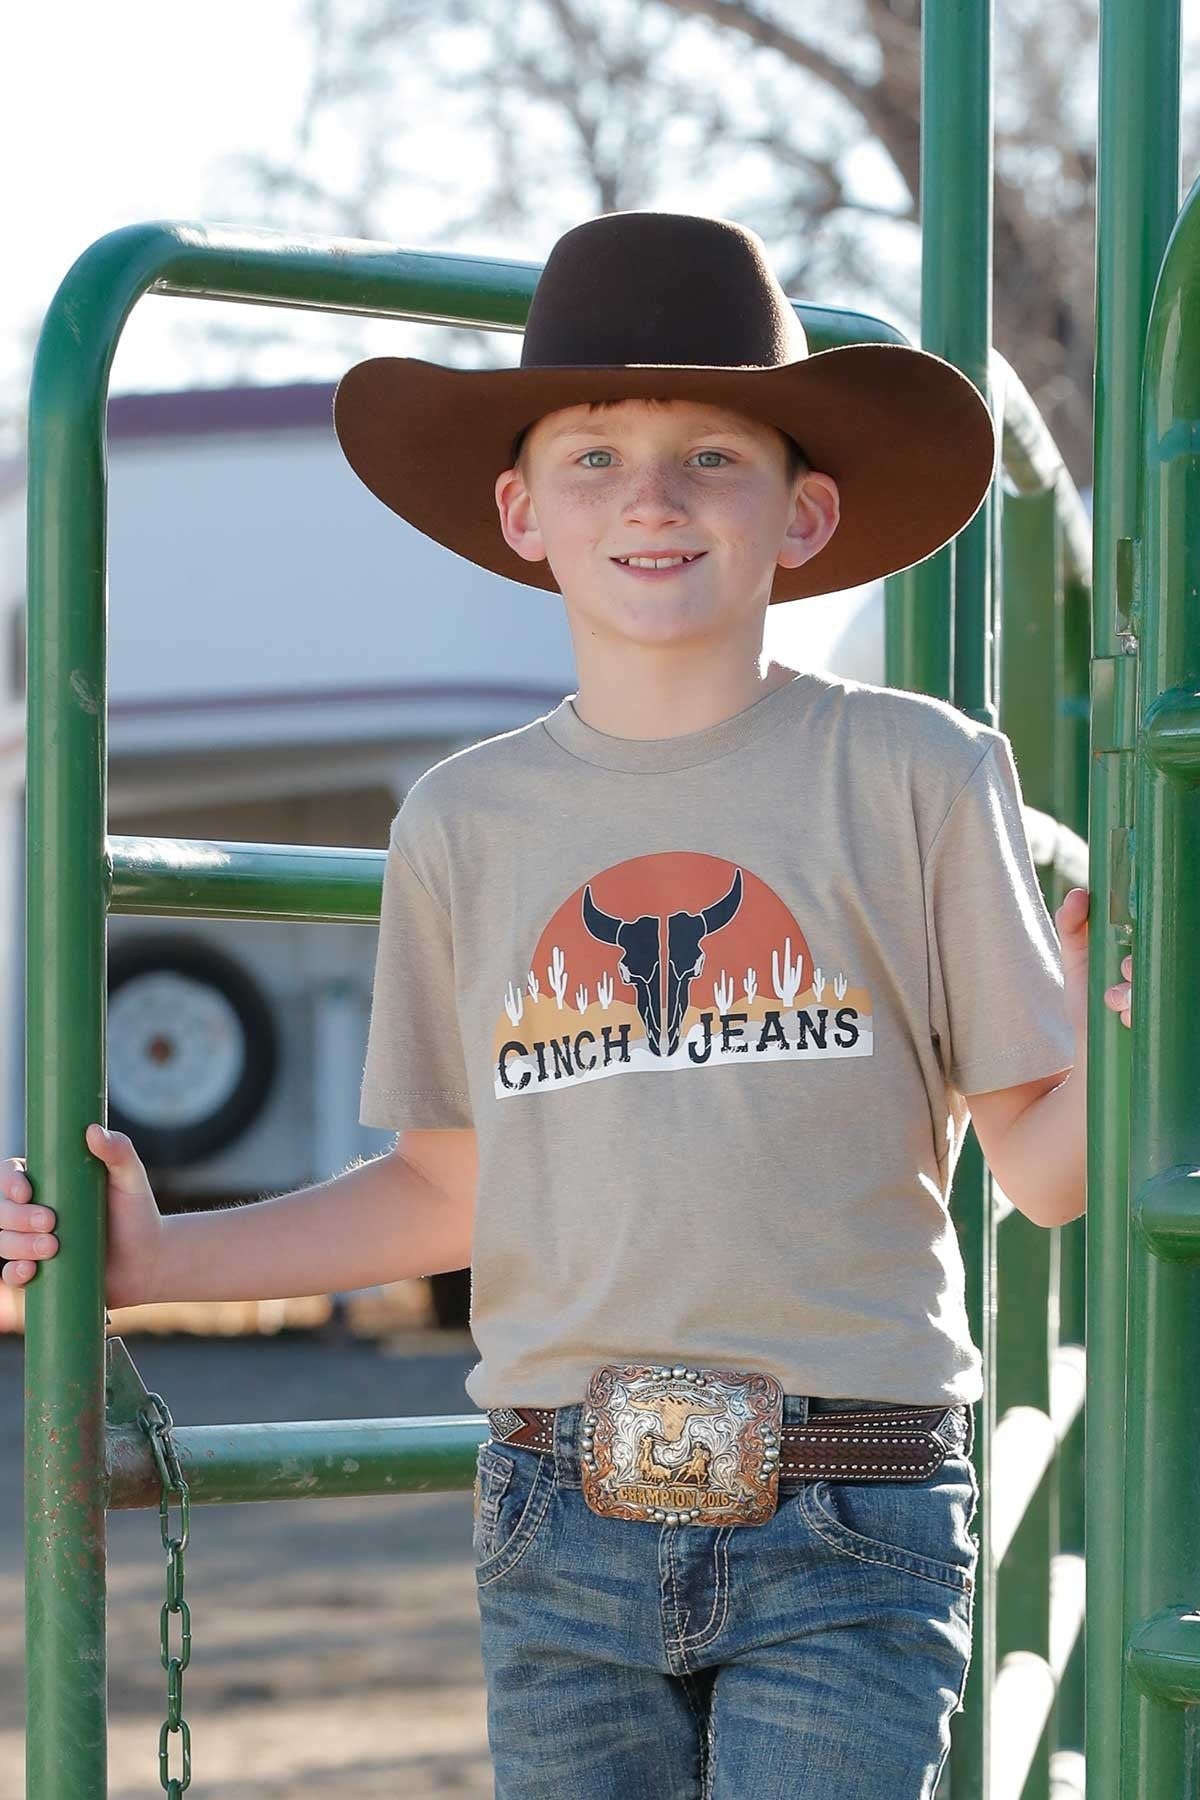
{"points": [[679, 306]]}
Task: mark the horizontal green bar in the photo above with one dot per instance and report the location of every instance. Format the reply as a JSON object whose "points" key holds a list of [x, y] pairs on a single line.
{"points": [[209, 878], [206, 878], [347, 275], [1171, 732], [294, 1460], [1166, 1211], [1164, 1657]]}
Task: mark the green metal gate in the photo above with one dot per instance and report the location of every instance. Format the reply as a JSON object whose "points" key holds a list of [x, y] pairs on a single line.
{"points": [[1097, 683]]}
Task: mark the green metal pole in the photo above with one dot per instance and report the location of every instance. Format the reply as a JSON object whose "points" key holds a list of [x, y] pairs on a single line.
{"points": [[1029, 1260], [1072, 648], [1161, 1715], [1137, 201], [956, 288], [302, 1460], [65, 977], [954, 596]]}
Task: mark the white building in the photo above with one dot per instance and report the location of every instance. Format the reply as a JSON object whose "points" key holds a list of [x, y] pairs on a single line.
{"points": [[285, 656]]}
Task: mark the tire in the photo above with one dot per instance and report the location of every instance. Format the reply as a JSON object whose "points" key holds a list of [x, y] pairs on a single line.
{"points": [[172, 1145]]}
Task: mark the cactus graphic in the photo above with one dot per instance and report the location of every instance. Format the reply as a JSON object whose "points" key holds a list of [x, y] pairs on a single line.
{"points": [[532, 986], [818, 984], [786, 989], [604, 990], [840, 984], [723, 993], [557, 971], [751, 984], [514, 1004], [581, 999]]}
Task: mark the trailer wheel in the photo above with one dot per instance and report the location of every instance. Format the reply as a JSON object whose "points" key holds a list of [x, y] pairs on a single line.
{"points": [[192, 1048]]}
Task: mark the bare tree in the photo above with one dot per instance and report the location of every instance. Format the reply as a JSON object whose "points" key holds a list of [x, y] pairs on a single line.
{"points": [[808, 129]]}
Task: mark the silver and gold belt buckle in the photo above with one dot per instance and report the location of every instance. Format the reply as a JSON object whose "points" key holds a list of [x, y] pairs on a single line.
{"points": [[681, 1446]]}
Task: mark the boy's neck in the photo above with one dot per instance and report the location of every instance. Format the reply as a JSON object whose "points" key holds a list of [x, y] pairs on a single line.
{"points": [[665, 701]]}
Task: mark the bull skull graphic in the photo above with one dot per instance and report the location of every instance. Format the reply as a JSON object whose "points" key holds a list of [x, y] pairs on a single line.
{"points": [[643, 960]]}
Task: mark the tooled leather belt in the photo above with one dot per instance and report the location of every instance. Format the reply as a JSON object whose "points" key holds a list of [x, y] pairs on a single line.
{"points": [[843, 1445]]}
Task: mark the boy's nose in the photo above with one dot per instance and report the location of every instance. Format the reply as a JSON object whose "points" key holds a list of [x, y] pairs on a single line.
{"points": [[655, 496]]}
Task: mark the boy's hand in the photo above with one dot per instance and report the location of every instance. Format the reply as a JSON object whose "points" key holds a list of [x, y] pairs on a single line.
{"points": [[1119, 997], [135, 1225], [1071, 920], [26, 1231]]}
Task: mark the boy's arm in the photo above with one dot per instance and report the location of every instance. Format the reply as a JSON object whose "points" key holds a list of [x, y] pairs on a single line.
{"points": [[1034, 1136], [408, 1212]]}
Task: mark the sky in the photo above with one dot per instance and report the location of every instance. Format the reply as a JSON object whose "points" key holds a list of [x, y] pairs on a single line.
{"points": [[121, 112], [133, 110]]}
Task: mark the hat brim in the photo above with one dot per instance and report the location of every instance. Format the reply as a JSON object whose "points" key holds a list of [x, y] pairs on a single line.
{"points": [[906, 435]]}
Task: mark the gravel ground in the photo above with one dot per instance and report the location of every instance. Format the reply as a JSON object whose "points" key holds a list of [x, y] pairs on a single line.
{"points": [[335, 1643]]}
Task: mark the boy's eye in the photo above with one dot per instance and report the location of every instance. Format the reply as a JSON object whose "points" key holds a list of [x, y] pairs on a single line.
{"points": [[717, 453]]}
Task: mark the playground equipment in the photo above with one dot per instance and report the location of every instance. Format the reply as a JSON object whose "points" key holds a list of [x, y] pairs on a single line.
{"points": [[1104, 712]]}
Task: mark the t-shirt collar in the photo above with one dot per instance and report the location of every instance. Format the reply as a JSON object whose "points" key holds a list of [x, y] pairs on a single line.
{"points": [[685, 751]]}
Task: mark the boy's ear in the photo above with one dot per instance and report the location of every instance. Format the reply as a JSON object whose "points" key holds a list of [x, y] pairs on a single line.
{"points": [[816, 512], [518, 520]]}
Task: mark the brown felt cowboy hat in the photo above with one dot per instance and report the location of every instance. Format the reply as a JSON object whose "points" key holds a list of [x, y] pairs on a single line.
{"points": [[677, 306]]}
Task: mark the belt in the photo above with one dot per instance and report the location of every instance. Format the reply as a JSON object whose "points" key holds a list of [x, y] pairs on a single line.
{"points": [[708, 1445], [846, 1445]]}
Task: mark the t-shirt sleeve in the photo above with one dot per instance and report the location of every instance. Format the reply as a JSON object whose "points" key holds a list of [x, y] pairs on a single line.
{"points": [[997, 999], [415, 1074]]}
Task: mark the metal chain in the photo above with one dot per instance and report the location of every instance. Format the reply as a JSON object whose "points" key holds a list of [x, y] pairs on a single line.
{"points": [[155, 1420]]}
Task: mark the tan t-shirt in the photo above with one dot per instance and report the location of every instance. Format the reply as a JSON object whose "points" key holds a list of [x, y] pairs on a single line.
{"points": [[711, 1003]]}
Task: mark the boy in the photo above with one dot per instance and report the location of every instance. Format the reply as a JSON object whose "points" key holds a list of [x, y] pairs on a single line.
{"points": [[807, 904]]}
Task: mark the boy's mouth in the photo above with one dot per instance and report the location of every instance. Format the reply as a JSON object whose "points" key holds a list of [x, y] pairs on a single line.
{"points": [[656, 568]]}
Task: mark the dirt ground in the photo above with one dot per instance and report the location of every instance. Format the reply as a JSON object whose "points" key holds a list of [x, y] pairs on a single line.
{"points": [[335, 1643]]}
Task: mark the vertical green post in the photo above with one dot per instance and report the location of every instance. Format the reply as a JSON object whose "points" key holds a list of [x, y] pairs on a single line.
{"points": [[1072, 657], [65, 979], [956, 293], [1161, 1713], [1028, 1260], [954, 596], [1136, 204]]}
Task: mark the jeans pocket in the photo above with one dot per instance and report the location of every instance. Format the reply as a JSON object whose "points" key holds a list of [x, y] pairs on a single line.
{"points": [[513, 1489], [921, 1527]]}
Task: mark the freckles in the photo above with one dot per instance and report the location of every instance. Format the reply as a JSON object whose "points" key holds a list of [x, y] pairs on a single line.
{"points": [[585, 497], [575, 487]]}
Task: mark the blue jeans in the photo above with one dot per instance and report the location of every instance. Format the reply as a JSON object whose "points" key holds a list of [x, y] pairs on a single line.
{"points": [[819, 1654]]}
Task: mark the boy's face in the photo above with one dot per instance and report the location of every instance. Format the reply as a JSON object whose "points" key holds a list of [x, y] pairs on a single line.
{"points": [[647, 478]]}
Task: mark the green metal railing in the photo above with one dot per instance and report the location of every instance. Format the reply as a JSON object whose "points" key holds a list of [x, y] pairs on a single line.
{"points": [[1097, 684], [1161, 1592], [1024, 560]]}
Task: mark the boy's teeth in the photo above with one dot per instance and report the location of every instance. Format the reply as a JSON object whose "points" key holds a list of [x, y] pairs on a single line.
{"points": [[654, 562]]}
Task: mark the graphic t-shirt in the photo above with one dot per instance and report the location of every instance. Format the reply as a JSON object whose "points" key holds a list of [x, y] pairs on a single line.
{"points": [[712, 1004]]}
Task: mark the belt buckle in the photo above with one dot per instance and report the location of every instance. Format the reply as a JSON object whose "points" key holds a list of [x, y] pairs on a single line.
{"points": [[679, 1446]]}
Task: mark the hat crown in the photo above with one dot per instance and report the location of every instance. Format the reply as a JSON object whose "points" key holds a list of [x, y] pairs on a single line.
{"points": [[660, 287]]}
